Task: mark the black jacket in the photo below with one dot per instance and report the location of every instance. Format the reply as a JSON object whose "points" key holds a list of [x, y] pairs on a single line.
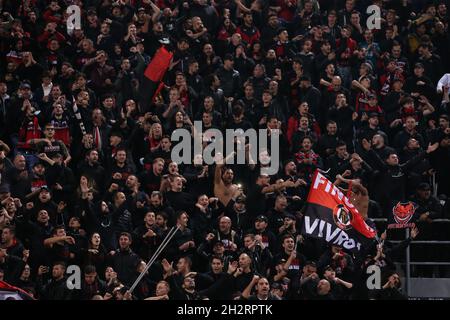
{"points": [[55, 290], [390, 184], [125, 262], [12, 267], [230, 82]]}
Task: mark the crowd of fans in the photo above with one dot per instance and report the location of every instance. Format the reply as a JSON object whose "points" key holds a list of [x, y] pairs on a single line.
{"points": [[85, 164]]}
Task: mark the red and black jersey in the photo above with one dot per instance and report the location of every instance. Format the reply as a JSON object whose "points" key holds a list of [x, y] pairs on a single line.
{"points": [[249, 34], [29, 130], [62, 130]]}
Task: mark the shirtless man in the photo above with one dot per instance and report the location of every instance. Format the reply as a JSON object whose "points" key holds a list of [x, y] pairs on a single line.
{"points": [[359, 196], [224, 188]]}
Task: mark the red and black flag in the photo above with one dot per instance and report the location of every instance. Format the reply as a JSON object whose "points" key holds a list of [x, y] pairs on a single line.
{"points": [[152, 82], [9, 292], [331, 216]]}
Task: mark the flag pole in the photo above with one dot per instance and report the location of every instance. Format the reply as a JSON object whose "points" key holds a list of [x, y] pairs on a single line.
{"points": [[158, 251], [408, 266]]}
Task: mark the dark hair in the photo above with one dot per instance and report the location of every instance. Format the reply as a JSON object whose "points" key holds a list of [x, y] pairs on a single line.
{"points": [[340, 143], [209, 113], [81, 75], [188, 260], [286, 236], [59, 227], [406, 100], [271, 117], [90, 269], [208, 96], [209, 79], [297, 60], [163, 215], [251, 235], [60, 263], [395, 43], [121, 149], [180, 213], [425, 46], [238, 110], [88, 152], [126, 234], [216, 258], [11, 229], [307, 137], [324, 42], [331, 122]]}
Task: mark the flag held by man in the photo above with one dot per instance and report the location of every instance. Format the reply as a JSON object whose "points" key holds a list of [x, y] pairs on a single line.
{"points": [[331, 216]]}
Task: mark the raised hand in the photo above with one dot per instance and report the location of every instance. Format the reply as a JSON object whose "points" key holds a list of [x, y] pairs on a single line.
{"points": [[432, 147], [365, 144]]}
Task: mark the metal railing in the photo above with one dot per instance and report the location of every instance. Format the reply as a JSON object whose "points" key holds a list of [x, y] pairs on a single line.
{"points": [[408, 263]]}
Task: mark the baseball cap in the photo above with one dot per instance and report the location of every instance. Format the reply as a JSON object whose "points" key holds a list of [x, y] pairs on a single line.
{"points": [[277, 285], [289, 216], [373, 114], [328, 267], [91, 12], [228, 57], [310, 263], [305, 78], [419, 65], [25, 85], [4, 188], [45, 188], [261, 217]]}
